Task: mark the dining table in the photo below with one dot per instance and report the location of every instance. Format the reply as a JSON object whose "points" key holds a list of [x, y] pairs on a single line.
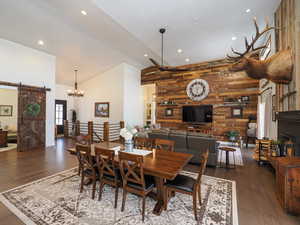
{"points": [[161, 164]]}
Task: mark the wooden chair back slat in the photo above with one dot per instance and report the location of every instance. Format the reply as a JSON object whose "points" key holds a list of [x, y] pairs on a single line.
{"points": [[143, 143], [83, 153], [84, 139], [203, 162], [131, 167], [104, 160], [163, 144]]}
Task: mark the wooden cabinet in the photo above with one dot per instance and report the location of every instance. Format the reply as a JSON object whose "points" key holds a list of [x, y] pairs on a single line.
{"points": [[288, 183], [3, 139]]}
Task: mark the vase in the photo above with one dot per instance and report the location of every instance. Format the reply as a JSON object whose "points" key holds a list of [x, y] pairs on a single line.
{"points": [[129, 145]]}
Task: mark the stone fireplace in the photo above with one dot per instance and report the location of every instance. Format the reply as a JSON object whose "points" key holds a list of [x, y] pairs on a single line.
{"points": [[289, 128]]}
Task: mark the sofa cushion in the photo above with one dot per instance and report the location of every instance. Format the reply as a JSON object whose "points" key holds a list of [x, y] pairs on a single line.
{"points": [[178, 132], [180, 140], [198, 134], [160, 135], [201, 143]]}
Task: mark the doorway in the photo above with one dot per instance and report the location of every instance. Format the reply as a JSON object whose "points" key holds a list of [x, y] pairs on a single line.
{"points": [[149, 94], [60, 115]]}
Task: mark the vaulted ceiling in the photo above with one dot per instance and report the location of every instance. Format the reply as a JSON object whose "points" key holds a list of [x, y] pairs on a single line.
{"points": [[118, 31]]}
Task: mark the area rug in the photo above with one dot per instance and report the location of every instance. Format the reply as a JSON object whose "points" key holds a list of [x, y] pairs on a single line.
{"points": [[10, 146], [237, 155], [56, 200]]}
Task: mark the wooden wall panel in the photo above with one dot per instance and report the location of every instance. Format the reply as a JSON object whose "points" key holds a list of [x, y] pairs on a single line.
{"points": [[286, 37], [223, 84]]}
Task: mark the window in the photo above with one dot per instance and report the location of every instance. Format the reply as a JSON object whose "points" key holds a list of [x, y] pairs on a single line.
{"points": [[59, 112]]}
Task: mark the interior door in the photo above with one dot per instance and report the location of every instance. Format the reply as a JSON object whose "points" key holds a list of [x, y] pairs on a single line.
{"points": [[31, 118], [60, 115]]}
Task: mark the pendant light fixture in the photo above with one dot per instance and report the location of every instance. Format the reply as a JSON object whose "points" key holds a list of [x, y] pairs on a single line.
{"points": [[76, 92]]}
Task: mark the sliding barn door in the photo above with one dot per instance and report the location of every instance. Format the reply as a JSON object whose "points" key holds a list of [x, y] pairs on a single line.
{"points": [[31, 118]]}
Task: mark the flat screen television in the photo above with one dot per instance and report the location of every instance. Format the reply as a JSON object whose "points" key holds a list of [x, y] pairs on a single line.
{"points": [[197, 114]]}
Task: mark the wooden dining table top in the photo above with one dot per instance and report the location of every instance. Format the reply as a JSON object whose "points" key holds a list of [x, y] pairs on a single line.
{"points": [[159, 163]]}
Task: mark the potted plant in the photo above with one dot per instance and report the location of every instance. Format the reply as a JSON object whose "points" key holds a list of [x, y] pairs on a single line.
{"points": [[128, 134], [232, 135]]}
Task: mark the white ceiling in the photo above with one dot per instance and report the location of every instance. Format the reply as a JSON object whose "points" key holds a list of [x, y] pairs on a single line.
{"points": [[123, 31], [201, 28]]}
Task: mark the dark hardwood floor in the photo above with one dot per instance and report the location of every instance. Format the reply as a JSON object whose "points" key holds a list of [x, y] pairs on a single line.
{"points": [[257, 203]]}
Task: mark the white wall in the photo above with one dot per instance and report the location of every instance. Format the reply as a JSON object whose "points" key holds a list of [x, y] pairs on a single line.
{"points": [[121, 87], [133, 96], [9, 97], [61, 94], [106, 87], [31, 67]]}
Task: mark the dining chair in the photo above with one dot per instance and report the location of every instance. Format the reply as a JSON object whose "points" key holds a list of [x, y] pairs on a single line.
{"points": [[83, 153], [187, 185], [164, 144], [108, 173], [143, 143], [83, 140], [134, 180]]}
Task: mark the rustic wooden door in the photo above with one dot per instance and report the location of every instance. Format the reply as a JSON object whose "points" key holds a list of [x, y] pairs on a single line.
{"points": [[31, 118]]}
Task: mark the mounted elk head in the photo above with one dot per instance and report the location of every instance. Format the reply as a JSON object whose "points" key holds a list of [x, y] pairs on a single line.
{"points": [[277, 68]]}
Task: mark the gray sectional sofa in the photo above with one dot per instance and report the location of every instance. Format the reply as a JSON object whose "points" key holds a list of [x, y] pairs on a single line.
{"points": [[193, 143]]}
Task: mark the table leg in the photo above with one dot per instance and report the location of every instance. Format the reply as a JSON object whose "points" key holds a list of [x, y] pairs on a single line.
{"points": [[159, 182], [227, 159]]}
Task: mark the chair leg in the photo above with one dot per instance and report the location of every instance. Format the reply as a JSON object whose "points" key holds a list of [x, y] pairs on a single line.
{"points": [[166, 198], [247, 140], [79, 169], [94, 188], [199, 195], [124, 199], [143, 209], [81, 184], [195, 204], [116, 196], [100, 191], [234, 159]]}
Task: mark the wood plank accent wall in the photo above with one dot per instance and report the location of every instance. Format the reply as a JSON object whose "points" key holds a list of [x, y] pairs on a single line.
{"points": [[287, 18], [223, 84]]}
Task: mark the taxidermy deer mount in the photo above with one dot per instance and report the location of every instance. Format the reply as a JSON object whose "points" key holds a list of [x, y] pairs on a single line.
{"points": [[277, 68]]}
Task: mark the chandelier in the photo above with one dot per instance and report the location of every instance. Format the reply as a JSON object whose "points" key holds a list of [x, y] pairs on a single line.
{"points": [[75, 92]]}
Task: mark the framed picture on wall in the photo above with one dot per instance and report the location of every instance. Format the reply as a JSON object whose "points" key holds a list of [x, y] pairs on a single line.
{"points": [[102, 109], [236, 112], [169, 112], [6, 110]]}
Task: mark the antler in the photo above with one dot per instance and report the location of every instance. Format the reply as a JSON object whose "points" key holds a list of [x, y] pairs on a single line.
{"points": [[251, 47]]}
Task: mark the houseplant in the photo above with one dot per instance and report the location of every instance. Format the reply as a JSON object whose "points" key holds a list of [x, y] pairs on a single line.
{"points": [[232, 135], [128, 134]]}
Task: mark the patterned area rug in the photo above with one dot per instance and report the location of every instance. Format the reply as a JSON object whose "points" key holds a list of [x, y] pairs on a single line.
{"points": [[56, 200]]}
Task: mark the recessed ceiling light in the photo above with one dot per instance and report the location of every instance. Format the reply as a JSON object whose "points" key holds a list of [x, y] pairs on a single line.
{"points": [[146, 55], [187, 59], [179, 50], [40, 42], [248, 10], [83, 12], [233, 38]]}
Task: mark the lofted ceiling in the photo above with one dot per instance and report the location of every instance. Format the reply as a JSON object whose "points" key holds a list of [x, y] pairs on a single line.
{"points": [[123, 31]]}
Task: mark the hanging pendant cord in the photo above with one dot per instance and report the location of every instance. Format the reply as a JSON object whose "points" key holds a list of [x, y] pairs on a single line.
{"points": [[162, 49]]}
